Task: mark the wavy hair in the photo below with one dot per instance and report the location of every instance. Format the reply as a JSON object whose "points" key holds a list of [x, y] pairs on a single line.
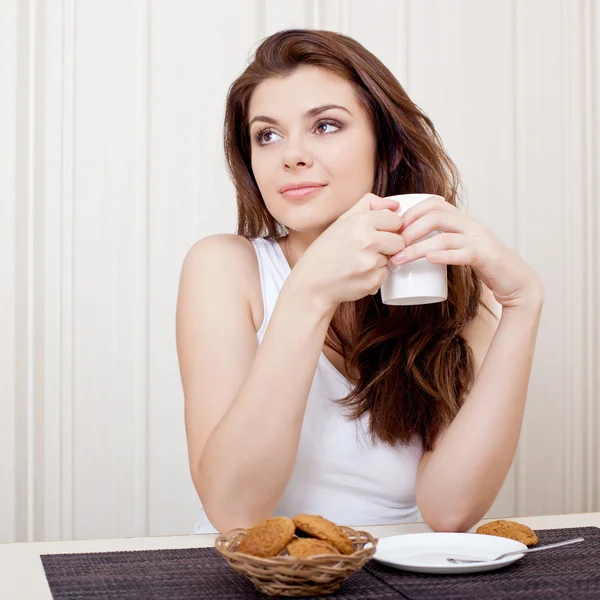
{"points": [[411, 365]]}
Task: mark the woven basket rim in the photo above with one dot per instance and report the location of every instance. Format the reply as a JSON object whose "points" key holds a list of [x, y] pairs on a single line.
{"points": [[288, 560]]}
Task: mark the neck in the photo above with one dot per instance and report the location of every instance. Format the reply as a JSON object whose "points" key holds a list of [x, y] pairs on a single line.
{"points": [[295, 244]]}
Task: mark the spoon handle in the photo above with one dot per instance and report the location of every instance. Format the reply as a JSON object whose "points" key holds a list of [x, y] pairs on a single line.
{"points": [[545, 547], [527, 550]]}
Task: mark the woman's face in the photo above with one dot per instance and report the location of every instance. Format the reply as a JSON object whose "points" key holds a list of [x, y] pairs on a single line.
{"points": [[309, 127]]}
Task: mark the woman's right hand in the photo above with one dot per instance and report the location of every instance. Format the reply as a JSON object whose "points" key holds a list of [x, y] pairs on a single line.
{"points": [[348, 260]]}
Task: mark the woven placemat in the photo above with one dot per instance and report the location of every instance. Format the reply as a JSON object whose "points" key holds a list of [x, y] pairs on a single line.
{"points": [[190, 573], [573, 573]]}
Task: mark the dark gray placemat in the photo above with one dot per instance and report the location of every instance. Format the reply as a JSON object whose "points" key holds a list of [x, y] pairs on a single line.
{"points": [[198, 573], [572, 572]]}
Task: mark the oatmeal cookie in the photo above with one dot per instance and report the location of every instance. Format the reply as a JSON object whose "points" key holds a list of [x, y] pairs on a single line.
{"points": [[268, 538], [305, 547], [325, 530], [509, 529]]}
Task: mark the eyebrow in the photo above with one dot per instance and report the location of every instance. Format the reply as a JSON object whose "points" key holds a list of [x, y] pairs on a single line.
{"points": [[313, 112]]}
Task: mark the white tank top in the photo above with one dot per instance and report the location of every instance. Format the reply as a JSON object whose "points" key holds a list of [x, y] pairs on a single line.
{"points": [[339, 473]]}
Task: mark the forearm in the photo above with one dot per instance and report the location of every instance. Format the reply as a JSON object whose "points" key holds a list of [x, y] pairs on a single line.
{"points": [[468, 466], [248, 459]]}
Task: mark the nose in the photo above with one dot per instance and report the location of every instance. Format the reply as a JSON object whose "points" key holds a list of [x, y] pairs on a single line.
{"points": [[296, 155]]}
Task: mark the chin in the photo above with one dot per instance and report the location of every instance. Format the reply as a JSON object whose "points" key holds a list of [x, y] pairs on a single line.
{"points": [[305, 221], [314, 226]]}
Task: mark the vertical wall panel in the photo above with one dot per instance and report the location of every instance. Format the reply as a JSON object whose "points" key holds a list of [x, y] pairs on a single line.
{"points": [[576, 217], [105, 221], [285, 14], [333, 15], [56, 40], [388, 38], [8, 261], [592, 21], [28, 219], [548, 203], [141, 268], [67, 268]]}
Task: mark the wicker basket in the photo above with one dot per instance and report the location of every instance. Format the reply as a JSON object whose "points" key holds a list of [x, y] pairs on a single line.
{"points": [[292, 576]]}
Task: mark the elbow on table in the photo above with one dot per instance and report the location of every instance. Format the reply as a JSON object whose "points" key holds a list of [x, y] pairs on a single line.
{"points": [[451, 515], [449, 522], [224, 518], [220, 516], [224, 523], [226, 508]]}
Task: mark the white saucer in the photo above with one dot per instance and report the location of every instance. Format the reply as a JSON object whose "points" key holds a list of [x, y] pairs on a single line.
{"points": [[427, 552]]}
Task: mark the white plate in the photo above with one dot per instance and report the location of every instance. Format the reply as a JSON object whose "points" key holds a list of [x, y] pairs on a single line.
{"points": [[427, 552]]}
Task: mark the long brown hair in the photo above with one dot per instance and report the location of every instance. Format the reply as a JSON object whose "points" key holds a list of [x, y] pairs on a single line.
{"points": [[411, 365]]}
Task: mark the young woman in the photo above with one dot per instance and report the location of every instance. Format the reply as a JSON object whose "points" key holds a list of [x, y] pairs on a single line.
{"points": [[303, 392]]}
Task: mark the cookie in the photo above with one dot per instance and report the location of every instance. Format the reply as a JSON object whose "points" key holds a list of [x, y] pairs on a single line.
{"points": [[305, 547], [325, 530], [509, 529], [268, 538]]}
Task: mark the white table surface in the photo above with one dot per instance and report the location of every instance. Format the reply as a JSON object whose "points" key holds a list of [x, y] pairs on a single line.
{"points": [[22, 574]]}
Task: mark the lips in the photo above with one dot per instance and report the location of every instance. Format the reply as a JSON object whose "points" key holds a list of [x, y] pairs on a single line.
{"points": [[300, 189]]}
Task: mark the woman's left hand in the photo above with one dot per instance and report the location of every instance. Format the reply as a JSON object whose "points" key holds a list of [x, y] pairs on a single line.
{"points": [[464, 241]]}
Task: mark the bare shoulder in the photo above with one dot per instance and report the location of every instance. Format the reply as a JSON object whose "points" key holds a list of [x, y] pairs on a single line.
{"points": [[225, 264], [481, 330], [221, 250]]}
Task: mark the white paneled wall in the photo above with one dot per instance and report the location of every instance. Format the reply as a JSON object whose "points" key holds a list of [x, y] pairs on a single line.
{"points": [[10, 470], [111, 166]]}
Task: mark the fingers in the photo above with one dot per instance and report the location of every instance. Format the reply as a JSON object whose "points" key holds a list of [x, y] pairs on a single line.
{"points": [[379, 276], [435, 220], [461, 256], [439, 243], [382, 261], [385, 220], [422, 208], [377, 203], [388, 243]]}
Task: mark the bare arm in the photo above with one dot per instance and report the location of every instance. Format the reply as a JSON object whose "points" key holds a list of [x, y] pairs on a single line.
{"points": [[244, 405], [458, 482]]}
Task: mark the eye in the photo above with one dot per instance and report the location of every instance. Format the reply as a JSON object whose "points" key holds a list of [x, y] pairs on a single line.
{"points": [[323, 126], [265, 136]]}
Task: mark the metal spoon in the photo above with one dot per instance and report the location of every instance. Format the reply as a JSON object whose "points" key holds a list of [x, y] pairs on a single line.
{"points": [[460, 561]]}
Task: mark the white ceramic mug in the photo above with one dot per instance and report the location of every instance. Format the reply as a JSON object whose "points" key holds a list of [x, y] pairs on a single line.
{"points": [[417, 282]]}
